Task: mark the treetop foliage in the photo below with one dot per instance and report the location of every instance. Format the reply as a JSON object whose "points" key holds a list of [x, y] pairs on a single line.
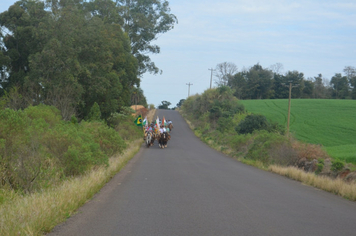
{"points": [[257, 82], [73, 53], [164, 105]]}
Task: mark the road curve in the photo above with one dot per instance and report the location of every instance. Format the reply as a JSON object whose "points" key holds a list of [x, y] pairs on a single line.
{"points": [[191, 189]]}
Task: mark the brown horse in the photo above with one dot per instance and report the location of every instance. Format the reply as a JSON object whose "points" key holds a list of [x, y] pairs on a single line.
{"points": [[163, 140], [170, 126]]}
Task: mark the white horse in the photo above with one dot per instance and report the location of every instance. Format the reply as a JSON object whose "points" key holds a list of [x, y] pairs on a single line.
{"points": [[148, 139]]}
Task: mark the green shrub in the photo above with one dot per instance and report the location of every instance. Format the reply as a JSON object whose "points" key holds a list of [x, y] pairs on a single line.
{"points": [[94, 114], [80, 158], [22, 154], [337, 165], [38, 148], [257, 122], [263, 143], [50, 114], [320, 167], [109, 140], [225, 124], [252, 122], [128, 130], [215, 113]]}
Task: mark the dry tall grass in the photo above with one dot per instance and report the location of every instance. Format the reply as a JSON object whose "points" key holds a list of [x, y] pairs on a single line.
{"points": [[38, 213], [336, 186], [151, 114]]}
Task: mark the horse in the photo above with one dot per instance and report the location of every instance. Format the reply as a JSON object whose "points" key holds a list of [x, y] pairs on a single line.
{"points": [[170, 126], [154, 136], [163, 140], [149, 139]]}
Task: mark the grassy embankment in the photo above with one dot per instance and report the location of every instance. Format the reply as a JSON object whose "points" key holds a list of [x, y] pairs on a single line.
{"points": [[330, 123], [39, 212]]}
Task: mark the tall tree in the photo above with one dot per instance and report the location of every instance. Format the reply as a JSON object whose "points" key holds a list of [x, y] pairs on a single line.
{"points": [[277, 68], [308, 90], [238, 84], [280, 85], [180, 103], [65, 47], [340, 86], [297, 79], [19, 40], [224, 71], [350, 73], [142, 20], [164, 105], [259, 82], [137, 97], [320, 91]]}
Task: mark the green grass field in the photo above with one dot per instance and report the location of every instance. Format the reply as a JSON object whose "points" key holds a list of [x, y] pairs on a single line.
{"points": [[331, 123]]}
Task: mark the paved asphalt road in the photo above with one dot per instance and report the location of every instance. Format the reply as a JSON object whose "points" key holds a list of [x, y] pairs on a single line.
{"points": [[191, 189]]}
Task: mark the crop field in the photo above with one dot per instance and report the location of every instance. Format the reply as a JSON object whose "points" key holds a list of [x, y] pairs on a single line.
{"points": [[330, 123]]}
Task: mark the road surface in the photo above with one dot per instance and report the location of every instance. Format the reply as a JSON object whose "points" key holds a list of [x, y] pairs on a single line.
{"points": [[191, 189]]}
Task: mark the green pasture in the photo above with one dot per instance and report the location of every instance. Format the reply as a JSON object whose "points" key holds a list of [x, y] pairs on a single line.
{"points": [[331, 123]]}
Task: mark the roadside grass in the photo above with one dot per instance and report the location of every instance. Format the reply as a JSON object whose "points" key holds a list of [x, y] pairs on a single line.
{"points": [[336, 186], [327, 122], [40, 212]]}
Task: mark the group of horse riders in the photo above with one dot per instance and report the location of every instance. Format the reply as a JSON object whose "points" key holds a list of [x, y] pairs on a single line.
{"points": [[160, 131]]}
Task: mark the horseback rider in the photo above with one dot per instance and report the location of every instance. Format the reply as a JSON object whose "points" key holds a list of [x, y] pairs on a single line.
{"points": [[149, 128], [162, 129]]}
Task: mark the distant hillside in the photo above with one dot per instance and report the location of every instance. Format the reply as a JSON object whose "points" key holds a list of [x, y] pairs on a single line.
{"points": [[331, 123]]}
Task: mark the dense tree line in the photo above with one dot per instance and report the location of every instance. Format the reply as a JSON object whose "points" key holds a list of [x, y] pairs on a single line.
{"points": [[75, 53], [269, 83]]}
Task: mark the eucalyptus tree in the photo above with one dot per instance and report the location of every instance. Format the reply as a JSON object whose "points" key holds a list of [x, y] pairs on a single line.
{"points": [[142, 20], [51, 48], [137, 97], [20, 39], [297, 80], [259, 82], [340, 86], [350, 73], [238, 83], [279, 86], [92, 57]]}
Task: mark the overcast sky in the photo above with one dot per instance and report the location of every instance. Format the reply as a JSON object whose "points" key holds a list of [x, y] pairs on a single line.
{"points": [[310, 36]]}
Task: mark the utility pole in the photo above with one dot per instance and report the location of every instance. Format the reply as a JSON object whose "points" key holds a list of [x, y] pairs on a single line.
{"points": [[211, 77], [289, 101], [189, 88]]}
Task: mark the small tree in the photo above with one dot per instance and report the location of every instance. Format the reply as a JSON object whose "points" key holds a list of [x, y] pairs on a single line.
{"points": [[164, 105], [94, 114], [224, 71], [251, 123], [180, 103]]}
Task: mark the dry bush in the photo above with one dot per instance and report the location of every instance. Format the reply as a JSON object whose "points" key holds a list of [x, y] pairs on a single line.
{"points": [[63, 99], [283, 154], [142, 111], [309, 151], [150, 114]]}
